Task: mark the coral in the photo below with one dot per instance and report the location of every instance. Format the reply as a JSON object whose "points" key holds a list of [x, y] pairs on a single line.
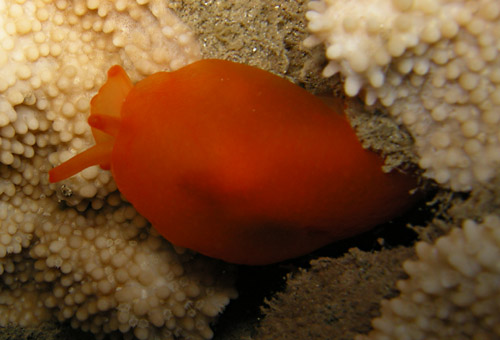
{"points": [[55, 57], [453, 291], [96, 263], [434, 65], [105, 271]]}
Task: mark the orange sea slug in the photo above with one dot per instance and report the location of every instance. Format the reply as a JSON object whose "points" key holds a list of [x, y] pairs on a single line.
{"points": [[237, 163]]}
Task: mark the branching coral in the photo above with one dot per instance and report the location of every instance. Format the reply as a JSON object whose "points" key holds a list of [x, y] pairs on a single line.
{"points": [[97, 265], [453, 291], [434, 65]]}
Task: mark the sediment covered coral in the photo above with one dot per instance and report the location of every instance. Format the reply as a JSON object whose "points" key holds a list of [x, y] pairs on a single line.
{"points": [[434, 65], [95, 263], [453, 291]]}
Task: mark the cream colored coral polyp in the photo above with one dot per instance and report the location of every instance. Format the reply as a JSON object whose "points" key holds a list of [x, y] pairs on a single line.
{"points": [[432, 59], [452, 290]]}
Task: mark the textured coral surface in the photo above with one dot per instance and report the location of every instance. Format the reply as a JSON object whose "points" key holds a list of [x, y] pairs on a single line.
{"points": [[453, 289], [434, 65]]}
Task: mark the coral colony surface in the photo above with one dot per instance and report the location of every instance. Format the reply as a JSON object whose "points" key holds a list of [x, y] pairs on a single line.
{"points": [[434, 65], [453, 289]]}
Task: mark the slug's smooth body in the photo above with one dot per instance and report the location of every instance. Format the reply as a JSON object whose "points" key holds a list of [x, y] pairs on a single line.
{"points": [[237, 163]]}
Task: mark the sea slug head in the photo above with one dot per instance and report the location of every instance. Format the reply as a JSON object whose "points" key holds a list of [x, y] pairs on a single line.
{"points": [[105, 117]]}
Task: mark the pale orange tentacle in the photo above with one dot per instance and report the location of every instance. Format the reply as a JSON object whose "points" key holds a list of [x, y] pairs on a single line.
{"points": [[105, 115], [97, 154], [107, 124]]}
